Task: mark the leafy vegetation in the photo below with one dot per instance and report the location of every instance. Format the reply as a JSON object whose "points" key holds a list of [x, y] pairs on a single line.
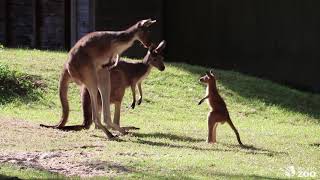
{"points": [[15, 85]]}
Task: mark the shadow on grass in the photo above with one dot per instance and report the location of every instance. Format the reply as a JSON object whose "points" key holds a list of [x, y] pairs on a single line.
{"points": [[247, 149], [315, 145], [264, 90], [157, 135], [172, 137], [170, 145], [4, 177], [116, 138], [250, 149]]}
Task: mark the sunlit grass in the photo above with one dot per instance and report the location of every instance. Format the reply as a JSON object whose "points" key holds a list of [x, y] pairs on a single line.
{"points": [[280, 124]]}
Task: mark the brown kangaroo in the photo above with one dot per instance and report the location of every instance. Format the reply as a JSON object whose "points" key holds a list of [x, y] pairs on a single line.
{"points": [[219, 112], [125, 74], [85, 67]]}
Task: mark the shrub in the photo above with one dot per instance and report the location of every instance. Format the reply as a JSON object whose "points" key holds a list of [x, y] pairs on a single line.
{"points": [[18, 85]]}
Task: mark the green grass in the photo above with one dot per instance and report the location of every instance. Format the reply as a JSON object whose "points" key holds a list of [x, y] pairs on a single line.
{"points": [[281, 125]]}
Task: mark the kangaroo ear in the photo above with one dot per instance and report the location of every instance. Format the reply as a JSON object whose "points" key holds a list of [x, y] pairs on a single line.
{"points": [[146, 23], [161, 46], [211, 72]]}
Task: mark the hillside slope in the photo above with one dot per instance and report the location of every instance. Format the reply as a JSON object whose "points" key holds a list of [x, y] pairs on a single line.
{"points": [[279, 125]]}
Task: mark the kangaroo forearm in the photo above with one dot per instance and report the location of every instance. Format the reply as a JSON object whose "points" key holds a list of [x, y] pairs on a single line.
{"points": [[140, 92], [201, 101], [133, 90]]}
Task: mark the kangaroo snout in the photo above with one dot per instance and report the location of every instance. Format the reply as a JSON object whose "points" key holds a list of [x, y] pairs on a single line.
{"points": [[162, 68]]}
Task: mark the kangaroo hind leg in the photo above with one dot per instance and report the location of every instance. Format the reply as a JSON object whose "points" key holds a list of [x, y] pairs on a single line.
{"points": [[91, 83], [211, 128], [104, 86]]}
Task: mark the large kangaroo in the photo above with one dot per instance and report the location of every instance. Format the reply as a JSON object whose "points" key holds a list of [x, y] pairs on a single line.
{"points": [[125, 74], [84, 66], [219, 112]]}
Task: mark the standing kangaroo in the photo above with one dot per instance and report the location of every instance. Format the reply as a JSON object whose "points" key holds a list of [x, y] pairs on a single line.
{"points": [[219, 112], [85, 67], [125, 74]]}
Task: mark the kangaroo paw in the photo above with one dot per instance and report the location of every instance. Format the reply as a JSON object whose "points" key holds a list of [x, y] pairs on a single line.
{"points": [[112, 137], [211, 141], [139, 101], [109, 135], [133, 105]]}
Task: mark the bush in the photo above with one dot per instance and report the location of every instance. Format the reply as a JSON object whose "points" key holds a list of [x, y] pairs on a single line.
{"points": [[18, 85]]}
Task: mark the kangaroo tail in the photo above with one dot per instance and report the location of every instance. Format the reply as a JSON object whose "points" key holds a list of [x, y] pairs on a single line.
{"points": [[63, 93], [235, 131]]}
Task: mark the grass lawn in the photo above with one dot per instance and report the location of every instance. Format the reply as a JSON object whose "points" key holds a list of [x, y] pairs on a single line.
{"points": [[280, 125]]}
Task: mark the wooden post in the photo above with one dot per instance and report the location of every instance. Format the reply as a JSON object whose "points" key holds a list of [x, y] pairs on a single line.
{"points": [[6, 19], [67, 24], [35, 24], [73, 21], [92, 15], [2, 22]]}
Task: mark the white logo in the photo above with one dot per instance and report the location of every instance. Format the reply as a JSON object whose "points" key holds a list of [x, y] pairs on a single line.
{"points": [[291, 171]]}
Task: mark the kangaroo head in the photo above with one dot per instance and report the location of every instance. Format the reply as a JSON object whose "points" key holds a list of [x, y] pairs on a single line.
{"points": [[208, 78], [143, 31], [154, 56]]}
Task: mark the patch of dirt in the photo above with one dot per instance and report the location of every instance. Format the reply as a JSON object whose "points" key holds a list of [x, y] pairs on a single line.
{"points": [[64, 163], [23, 143]]}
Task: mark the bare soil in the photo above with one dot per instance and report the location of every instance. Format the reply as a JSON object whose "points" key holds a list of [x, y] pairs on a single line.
{"points": [[28, 145]]}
